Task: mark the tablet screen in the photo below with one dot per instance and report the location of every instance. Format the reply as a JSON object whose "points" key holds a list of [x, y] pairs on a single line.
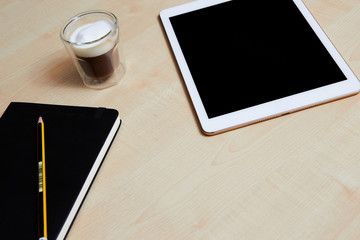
{"points": [[265, 50]]}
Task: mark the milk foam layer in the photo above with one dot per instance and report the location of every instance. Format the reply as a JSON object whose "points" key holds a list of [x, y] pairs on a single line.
{"points": [[86, 34]]}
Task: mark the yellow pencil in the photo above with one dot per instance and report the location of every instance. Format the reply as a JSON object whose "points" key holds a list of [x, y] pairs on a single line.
{"points": [[42, 180]]}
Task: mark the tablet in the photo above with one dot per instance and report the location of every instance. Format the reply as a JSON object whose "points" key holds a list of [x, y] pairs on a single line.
{"points": [[248, 61]]}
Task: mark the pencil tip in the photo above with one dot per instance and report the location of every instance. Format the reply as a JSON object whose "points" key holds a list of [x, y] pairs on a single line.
{"points": [[40, 120]]}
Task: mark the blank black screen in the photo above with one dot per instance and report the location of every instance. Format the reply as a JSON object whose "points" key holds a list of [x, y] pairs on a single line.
{"points": [[244, 53]]}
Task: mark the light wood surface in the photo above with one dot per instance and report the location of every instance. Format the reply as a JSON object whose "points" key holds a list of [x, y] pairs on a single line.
{"points": [[293, 177]]}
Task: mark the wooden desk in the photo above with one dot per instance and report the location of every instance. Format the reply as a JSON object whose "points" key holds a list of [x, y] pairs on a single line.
{"points": [[293, 177]]}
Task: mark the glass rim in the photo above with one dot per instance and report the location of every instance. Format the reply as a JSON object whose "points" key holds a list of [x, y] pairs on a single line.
{"points": [[82, 14]]}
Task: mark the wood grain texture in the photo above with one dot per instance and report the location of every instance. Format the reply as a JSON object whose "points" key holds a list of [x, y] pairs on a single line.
{"points": [[293, 177]]}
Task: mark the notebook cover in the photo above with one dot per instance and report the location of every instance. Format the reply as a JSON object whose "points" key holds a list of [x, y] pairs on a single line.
{"points": [[74, 137]]}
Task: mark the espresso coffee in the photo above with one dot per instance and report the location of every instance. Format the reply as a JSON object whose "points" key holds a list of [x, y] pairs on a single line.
{"points": [[96, 50], [92, 39], [100, 67]]}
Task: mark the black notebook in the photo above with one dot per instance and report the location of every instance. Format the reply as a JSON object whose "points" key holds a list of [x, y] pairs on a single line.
{"points": [[76, 142]]}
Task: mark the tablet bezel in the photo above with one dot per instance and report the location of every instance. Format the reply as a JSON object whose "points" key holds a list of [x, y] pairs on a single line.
{"points": [[266, 110]]}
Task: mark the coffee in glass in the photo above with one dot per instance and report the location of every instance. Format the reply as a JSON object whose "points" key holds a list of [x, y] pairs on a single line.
{"points": [[92, 40]]}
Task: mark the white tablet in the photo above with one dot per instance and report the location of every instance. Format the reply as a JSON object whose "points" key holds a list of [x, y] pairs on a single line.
{"points": [[247, 61]]}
